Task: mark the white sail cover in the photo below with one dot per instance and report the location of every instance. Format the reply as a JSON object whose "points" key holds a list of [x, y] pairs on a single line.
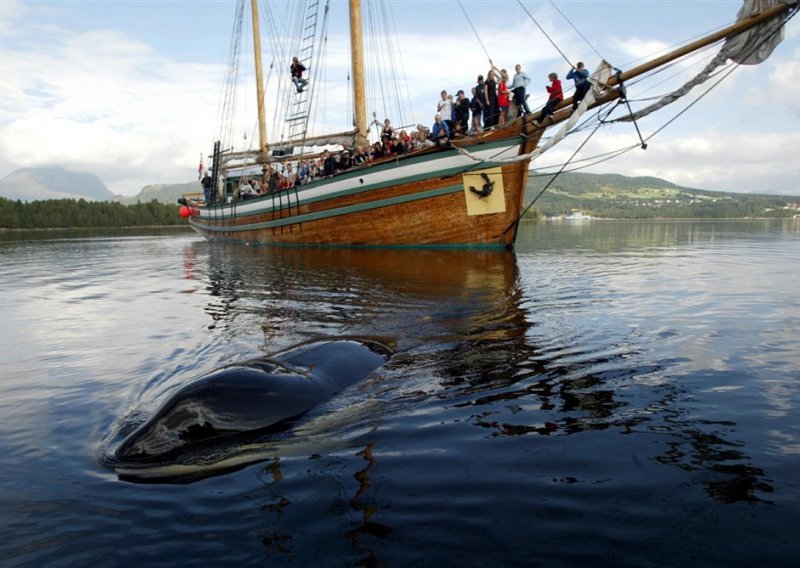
{"points": [[753, 46]]}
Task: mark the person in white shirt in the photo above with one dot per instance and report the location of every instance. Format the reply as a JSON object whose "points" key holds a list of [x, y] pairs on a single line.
{"points": [[518, 85], [445, 108]]}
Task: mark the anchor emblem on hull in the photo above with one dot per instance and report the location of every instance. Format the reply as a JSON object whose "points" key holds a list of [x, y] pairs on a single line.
{"points": [[487, 188]]}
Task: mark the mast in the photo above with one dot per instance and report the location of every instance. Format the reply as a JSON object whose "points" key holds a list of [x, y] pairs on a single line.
{"points": [[262, 120], [357, 54]]}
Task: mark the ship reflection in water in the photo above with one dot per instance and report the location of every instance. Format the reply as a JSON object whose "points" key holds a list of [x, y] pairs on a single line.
{"points": [[476, 346]]}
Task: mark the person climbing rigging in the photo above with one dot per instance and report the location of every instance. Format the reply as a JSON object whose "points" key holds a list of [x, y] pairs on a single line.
{"points": [[297, 69]]}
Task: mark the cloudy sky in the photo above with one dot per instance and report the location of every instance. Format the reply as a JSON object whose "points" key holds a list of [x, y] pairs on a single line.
{"points": [[130, 90]]}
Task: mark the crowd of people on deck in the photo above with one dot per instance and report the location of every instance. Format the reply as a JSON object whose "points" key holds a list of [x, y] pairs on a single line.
{"points": [[496, 99]]}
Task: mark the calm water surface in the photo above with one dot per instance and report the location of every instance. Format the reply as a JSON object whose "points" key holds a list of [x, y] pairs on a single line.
{"points": [[619, 393]]}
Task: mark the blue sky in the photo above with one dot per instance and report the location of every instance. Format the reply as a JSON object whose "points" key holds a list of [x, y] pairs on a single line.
{"points": [[130, 90]]}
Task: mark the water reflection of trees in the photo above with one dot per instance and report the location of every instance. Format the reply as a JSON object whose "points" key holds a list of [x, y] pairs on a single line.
{"points": [[632, 235]]}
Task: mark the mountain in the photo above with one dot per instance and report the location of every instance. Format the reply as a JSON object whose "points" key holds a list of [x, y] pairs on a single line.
{"points": [[163, 193], [33, 184]]}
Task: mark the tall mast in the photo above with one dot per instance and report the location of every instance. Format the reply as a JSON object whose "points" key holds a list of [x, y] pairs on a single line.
{"points": [[359, 98], [262, 120]]}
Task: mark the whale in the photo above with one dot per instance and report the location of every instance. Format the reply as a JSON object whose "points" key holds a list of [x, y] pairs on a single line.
{"points": [[261, 396]]}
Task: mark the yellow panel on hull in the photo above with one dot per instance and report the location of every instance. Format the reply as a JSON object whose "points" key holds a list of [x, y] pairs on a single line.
{"points": [[483, 181]]}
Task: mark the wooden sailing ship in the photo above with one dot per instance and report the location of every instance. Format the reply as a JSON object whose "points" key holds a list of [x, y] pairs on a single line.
{"points": [[470, 193]]}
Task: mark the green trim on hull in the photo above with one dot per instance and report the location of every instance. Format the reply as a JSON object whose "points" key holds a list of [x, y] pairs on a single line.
{"points": [[346, 210]]}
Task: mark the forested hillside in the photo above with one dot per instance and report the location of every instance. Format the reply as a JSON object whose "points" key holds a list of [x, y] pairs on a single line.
{"points": [[69, 213], [621, 197]]}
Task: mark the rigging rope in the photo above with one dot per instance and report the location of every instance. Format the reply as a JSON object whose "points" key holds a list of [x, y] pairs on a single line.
{"points": [[474, 30], [320, 77], [558, 173], [577, 30], [402, 72], [754, 49], [384, 90], [545, 34], [227, 109], [373, 54]]}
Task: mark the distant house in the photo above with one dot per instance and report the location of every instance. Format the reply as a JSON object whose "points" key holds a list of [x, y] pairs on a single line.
{"points": [[577, 216]]}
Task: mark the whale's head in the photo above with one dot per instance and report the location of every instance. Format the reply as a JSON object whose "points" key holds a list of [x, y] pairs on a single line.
{"points": [[192, 414], [261, 396]]}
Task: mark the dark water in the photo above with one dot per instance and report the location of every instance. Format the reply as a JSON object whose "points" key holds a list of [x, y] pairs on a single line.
{"points": [[617, 393]]}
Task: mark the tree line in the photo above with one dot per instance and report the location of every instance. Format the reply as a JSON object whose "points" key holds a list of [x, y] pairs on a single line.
{"points": [[71, 213]]}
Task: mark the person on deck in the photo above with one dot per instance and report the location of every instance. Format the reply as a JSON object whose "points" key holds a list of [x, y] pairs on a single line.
{"points": [[480, 95], [387, 136], [249, 192], [328, 164], [345, 160], [490, 110], [445, 108], [440, 133], [556, 96], [462, 113], [207, 183], [377, 151], [580, 75], [245, 189], [405, 141], [297, 69], [477, 111], [518, 85], [502, 94]]}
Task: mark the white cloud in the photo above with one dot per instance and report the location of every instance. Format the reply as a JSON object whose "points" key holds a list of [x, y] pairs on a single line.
{"points": [[104, 103], [638, 49], [783, 90]]}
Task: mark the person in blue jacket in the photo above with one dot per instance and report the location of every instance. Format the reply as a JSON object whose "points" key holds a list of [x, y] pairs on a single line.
{"points": [[440, 133], [580, 75]]}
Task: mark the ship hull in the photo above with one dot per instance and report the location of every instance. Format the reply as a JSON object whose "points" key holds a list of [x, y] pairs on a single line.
{"points": [[427, 198]]}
